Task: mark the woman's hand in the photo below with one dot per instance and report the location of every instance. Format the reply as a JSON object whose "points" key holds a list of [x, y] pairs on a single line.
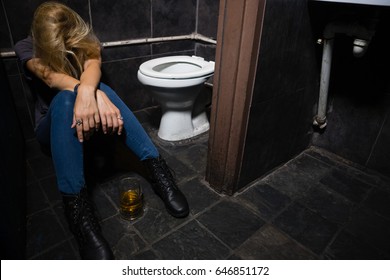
{"points": [[86, 113], [110, 115]]}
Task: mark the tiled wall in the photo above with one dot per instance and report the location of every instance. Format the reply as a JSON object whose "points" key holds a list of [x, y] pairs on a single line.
{"points": [[116, 20]]}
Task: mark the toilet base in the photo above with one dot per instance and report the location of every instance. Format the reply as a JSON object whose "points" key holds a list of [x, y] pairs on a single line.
{"points": [[176, 126]]}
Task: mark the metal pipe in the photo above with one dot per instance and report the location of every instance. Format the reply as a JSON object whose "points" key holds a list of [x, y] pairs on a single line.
{"points": [[7, 54], [362, 36], [193, 36], [320, 119]]}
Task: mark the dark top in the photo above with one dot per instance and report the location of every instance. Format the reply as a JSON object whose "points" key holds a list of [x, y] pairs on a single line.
{"points": [[42, 93]]}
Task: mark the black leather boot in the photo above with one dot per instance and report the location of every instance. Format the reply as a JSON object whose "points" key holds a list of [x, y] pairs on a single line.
{"points": [[164, 185], [85, 227]]}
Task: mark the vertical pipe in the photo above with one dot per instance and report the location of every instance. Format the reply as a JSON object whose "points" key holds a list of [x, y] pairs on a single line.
{"points": [[320, 119]]}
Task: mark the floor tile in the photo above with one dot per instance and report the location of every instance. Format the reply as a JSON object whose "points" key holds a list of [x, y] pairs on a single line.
{"points": [[104, 207], [191, 242], [267, 201], [297, 176], [122, 237], [327, 203], [269, 243], [288, 181], [350, 187], [36, 199], [370, 227], [156, 223], [43, 232], [231, 222], [199, 196], [60, 215], [309, 166], [349, 247], [62, 251], [321, 155], [365, 175], [308, 228], [194, 156], [379, 201], [180, 170], [49, 187], [42, 166], [146, 255]]}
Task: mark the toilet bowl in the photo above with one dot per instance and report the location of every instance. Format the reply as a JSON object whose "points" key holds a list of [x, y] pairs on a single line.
{"points": [[175, 82]]}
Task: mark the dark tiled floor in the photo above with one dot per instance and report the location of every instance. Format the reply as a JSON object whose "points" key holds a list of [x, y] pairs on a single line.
{"points": [[316, 206]]}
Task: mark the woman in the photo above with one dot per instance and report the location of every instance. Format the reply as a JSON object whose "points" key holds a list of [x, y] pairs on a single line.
{"points": [[61, 60]]}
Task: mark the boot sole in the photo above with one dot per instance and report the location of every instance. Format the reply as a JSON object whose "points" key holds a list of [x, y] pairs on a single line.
{"points": [[178, 215]]}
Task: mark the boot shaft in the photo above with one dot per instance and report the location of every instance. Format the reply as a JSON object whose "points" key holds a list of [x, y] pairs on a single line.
{"points": [[79, 213], [160, 173], [84, 225]]}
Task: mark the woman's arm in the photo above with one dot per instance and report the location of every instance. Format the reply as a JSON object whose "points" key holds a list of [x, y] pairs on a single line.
{"points": [[110, 116], [85, 107], [52, 79], [90, 78]]}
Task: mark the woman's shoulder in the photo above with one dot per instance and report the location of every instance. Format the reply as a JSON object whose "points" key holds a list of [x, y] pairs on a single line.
{"points": [[24, 49]]}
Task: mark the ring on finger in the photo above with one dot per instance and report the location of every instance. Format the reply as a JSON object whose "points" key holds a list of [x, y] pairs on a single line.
{"points": [[79, 122], [120, 118]]}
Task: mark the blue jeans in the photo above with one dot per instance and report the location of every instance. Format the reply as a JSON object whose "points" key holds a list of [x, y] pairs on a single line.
{"points": [[55, 131]]}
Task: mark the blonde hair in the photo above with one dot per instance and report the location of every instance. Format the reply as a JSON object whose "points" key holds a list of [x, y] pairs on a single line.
{"points": [[62, 39]]}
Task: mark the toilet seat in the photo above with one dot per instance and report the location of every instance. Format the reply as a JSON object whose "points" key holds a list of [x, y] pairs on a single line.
{"points": [[177, 67]]}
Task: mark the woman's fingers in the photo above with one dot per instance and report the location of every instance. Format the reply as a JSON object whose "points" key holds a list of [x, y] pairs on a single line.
{"points": [[110, 123], [85, 127], [78, 124], [97, 122], [111, 118], [120, 123]]}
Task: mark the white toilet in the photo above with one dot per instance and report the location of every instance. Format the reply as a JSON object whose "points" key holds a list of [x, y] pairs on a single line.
{"points": [[175, 82]]}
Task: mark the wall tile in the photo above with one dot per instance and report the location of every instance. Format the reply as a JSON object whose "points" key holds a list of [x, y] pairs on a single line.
{"points": [[125, 52], [172, 17], [205, 51], [126, 84], [20, 23], [5, 42], [11, 66], [173, 48], [351, 130], [121, 19], [208, 18]]}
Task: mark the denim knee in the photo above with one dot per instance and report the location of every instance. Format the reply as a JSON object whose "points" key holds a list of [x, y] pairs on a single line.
{"points": [[65, 99]]}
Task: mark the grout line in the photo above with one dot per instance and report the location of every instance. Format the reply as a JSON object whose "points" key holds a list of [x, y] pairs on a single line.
{"points": [[377, 138], [53, 247], [216, 237]]}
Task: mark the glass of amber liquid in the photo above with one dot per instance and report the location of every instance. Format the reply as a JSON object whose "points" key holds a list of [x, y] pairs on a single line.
{"points": [[131, 204]]}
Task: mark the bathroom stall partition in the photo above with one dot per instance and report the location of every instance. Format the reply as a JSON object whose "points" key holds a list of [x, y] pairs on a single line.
{"points": [[264, 92]]}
